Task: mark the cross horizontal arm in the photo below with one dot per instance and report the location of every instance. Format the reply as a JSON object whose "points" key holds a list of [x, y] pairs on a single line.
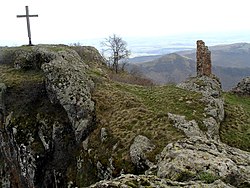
{"points": [[23, 16]]}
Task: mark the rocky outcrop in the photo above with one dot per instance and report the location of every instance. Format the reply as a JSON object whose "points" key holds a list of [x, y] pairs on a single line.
{"points": [[67, 83], [52, 115], [202, 155], [207, 86], [210, 88], [196, 157], [203, 56], [200, 160], [27, 58], [243, 87], [138, 150]]}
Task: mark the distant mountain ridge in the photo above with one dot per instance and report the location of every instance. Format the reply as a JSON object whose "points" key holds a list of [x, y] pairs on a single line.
{"points": [[171, 68], [232, 55], [143, 58], [230, 63]]}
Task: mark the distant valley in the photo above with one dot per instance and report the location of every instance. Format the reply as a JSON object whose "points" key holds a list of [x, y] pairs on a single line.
{"points": [[230, 63], [233, 55]]}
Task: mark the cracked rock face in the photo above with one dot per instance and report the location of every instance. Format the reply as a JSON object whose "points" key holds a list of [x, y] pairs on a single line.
{"points": [[210, 88], [68, 84], [52, 115]]}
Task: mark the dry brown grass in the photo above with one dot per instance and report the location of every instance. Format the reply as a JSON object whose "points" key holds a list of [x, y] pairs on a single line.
{"points": [[11, 76], [127, 110]]}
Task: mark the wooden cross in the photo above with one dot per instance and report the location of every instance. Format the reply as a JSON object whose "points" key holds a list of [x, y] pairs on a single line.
{"points": [[27, 16]]}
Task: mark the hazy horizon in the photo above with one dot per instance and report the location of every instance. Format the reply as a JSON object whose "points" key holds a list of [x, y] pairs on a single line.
{"points": [[159, 45], [62, 21]]}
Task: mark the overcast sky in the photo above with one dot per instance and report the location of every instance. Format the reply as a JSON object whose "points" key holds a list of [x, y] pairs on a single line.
{"points": [[75, 20]]}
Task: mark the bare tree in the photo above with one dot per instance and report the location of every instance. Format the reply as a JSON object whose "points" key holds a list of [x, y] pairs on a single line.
{"points": [[115, 50]]}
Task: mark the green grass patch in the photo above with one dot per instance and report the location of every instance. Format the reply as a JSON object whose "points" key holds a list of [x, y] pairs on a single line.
{"points": [[127, 110], [235, 129], [13, 77], [168, 98], [207, 177]]}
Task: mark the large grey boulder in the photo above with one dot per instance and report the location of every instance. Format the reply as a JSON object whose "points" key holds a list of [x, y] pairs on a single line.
{"points": [[68, 84], [190, 128], [208, 86], [138, 150], [190, 158]]}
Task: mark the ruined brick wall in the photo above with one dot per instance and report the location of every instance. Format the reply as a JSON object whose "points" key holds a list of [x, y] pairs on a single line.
{"points": [[203, 56]]}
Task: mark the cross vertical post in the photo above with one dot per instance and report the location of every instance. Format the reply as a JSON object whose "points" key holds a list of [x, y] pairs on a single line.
{"points": [[28, 23], [27, 16]]}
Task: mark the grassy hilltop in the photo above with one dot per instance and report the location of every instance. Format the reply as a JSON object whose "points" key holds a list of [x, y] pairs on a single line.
{"points": [[130, 109], [125, 106]]}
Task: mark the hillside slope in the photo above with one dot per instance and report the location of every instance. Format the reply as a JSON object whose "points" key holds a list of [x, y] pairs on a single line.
{"points": [[171, 68], [65, 123]]}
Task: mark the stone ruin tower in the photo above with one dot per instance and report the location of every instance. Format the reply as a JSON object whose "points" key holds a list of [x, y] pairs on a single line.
{"points": [[203, 56]]}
